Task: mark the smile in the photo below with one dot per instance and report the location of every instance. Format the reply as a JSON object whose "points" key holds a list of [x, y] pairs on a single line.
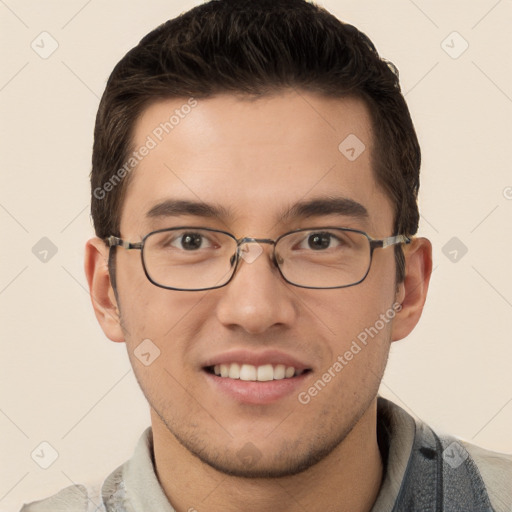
{"points": [[249, 372]]}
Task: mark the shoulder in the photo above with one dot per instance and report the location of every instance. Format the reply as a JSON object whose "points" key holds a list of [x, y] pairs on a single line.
{"points": [[496, 472], [74, 498], [111, 492], [492, 469], [99, 496], [438, 467]]}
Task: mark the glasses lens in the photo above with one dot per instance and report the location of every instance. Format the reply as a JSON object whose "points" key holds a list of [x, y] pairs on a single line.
{"points": [[324, 258], [189, 259]]}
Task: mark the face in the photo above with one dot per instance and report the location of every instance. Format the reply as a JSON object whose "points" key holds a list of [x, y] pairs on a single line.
{"points": [[254, 160]]}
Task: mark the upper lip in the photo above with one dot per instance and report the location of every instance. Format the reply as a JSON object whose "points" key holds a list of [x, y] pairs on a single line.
{"points": [[241, 356]]}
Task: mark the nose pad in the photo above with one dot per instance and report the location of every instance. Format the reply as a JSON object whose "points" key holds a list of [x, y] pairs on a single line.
{"points": [[250, 251]]}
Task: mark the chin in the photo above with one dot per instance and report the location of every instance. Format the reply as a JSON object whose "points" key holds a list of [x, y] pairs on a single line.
{"points": [[248, 461]]}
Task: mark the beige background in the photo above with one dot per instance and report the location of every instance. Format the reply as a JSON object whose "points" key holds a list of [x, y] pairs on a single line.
{"points": [[64, 383]]}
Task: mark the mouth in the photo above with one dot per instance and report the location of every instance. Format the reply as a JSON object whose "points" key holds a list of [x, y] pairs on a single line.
{"points": [[255, 377], [262, 373]]}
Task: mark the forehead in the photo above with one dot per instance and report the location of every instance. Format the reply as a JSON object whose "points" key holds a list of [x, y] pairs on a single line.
{"points": [[255, 158]]}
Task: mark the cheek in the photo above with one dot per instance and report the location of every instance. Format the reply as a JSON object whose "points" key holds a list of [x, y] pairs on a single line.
{"points": [[146, 309], [346, 312], [169, 319], [362, 322], [356, 321]]}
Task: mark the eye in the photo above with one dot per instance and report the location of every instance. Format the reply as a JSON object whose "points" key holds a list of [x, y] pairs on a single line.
{"points": [[190, 241], [321, 240]]}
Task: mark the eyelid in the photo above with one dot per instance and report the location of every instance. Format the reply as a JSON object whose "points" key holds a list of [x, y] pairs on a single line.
{"points": [[179, 234], [334, 230], [304, 235]]}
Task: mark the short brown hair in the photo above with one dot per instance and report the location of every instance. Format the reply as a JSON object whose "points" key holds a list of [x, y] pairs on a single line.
{"points": [[256, 47]]}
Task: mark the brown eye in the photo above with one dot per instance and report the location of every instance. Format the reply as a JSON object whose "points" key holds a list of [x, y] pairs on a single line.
{"points": [[191, 241], [319, 241]]}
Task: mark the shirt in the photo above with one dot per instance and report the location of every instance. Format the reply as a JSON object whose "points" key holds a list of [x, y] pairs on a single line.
{"points": [[423, 472]]}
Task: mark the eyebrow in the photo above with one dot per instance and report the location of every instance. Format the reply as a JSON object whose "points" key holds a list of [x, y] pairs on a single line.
{"points": [[325, 206], [176, 207], [302, 209]]}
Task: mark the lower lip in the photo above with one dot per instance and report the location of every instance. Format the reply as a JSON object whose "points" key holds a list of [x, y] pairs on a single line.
{"points": [[254, 392]]}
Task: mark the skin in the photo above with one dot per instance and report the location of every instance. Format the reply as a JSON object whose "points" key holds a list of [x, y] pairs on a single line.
{"points": [[256, 158]]}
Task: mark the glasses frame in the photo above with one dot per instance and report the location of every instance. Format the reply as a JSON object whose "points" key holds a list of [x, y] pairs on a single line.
{"points": [[114, 241]]}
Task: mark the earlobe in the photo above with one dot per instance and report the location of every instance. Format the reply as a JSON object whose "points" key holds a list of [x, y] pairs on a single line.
{"points": [[100, 288], [412, 293]]}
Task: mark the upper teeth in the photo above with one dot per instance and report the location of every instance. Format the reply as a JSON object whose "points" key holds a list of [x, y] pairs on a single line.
{"points": [[259, 373]]}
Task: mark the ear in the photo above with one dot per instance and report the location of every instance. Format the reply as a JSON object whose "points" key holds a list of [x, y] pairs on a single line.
{"points": [[100, 288], [412, 292]]}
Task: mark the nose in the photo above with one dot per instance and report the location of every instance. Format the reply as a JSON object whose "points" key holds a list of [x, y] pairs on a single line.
{"points": [[257, 297]]}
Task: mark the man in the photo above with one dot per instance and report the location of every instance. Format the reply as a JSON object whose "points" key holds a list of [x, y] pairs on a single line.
{"points": [[254, 185]]}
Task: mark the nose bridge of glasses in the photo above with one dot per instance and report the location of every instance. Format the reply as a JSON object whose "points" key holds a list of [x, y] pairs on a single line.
{"points": [[250, 240], [248, 253]]}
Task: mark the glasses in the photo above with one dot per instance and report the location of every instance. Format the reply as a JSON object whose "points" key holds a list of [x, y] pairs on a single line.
{"points": [[194, 259]]}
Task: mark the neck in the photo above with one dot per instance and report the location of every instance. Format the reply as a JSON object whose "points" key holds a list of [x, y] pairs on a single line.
{"points": [[348, 479]]}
